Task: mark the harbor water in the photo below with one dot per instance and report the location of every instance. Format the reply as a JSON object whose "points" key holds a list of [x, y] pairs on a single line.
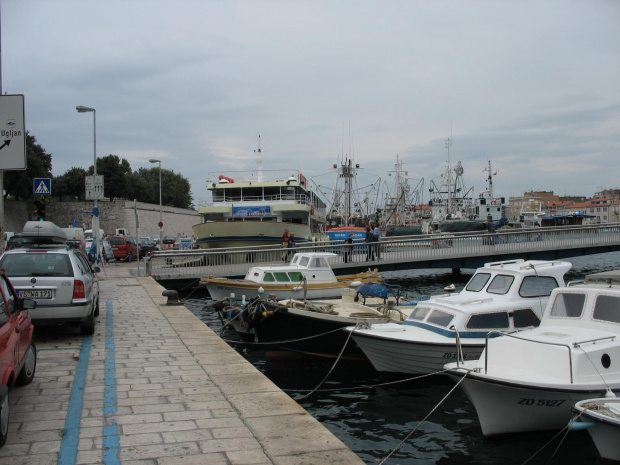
{"points": [[405, 419]]}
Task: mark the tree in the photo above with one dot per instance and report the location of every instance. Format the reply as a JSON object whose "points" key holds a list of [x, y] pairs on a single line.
{"points": [[115, 172], [19, 183], [71, 184]]}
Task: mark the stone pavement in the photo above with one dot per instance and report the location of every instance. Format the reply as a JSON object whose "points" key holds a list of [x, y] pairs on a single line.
{"points": [[155, 385]]}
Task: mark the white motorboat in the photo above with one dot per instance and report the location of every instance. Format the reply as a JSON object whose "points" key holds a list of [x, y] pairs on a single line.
{"points": [[307, 276], [528, 381], [601, 417], [505, 296]]}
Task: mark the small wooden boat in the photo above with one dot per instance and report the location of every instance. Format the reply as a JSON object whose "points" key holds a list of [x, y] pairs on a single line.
{"points": [[308, 276]]}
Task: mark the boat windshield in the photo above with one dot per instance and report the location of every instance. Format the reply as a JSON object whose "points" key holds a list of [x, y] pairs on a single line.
{"points": [[477, 282], [500, 284], [440, 318], [419, 313], [537, 286], [568, 305]]}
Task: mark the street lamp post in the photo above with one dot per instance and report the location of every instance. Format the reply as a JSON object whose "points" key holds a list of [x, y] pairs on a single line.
{"points": [[83, 109], [161, 224]]}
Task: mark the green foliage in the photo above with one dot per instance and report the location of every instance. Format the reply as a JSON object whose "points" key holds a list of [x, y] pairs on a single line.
{"points": [[70, 185], [120, 182], [19, 183]]}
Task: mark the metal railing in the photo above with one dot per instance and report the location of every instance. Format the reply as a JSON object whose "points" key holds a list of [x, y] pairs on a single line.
{"points": [[499, 333], [390, 250]]}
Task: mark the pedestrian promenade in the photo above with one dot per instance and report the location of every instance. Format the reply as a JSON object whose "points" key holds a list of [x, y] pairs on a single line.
{"points": [[155, 385]]}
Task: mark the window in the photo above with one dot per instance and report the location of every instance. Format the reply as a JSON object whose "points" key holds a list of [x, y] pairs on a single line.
{"points": [[568, 305], [296, 276], [268, 278], [497, 320], [440, 318], [304, 261], [525, 318], [281, 276], [500, 284], [477, 282], [419, 313], [537, 286], [606, 308]]}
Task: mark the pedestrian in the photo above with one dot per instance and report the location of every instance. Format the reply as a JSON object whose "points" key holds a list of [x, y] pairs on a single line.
{"points": [[370, 253], [291, 244], [285, 244], [348, 249], [376, 238]]}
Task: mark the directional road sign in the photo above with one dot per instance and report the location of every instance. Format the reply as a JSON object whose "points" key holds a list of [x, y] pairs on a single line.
{"points": [[94, 187], [42, 186], [12, 133]]}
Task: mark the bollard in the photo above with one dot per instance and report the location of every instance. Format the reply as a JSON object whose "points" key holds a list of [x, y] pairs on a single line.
{"points": [[173, 297]]}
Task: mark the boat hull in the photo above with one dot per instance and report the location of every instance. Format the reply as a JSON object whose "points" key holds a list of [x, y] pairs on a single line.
{"points": [[223, 290], [411, 357], [227, 234], [605, 429], [322, 334], [505, 408]]}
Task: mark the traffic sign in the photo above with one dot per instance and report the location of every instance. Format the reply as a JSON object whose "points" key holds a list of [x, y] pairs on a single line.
{"points": [[160, 224], [42, 186], [94, 187], [12, 133]]}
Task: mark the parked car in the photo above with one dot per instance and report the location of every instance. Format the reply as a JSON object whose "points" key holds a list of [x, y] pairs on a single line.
{"points": [[123, 247], [147, 246], [155, 239], [61, 281], [169, 239], [18, 354]]}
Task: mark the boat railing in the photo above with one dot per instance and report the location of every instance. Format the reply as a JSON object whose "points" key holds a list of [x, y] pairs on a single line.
{"points": [[295, 198], [593, 341], [504, 334]]}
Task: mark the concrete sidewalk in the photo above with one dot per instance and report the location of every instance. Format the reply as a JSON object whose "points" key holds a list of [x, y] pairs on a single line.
{"points": [[155, 385]]}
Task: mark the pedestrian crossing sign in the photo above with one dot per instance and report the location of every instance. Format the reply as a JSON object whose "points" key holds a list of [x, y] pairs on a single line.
{"points": [[42, 186]]}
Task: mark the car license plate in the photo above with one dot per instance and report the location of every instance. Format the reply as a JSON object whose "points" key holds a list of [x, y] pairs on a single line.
{"points": [[36, 294]]}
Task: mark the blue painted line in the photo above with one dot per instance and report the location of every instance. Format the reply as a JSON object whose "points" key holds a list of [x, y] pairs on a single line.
{"points": [[111, 442], [71, 433]]}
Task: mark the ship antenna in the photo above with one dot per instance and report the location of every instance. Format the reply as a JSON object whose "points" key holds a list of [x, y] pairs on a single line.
{"points": [[259, 161]]}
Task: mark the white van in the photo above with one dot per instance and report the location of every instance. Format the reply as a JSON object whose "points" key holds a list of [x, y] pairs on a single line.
{"points": [[88, 234], [74, 233]]}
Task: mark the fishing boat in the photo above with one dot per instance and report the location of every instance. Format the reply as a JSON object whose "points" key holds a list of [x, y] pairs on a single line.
{"points": [[506, 295], [601, 417], [255, 208], [307, 276], [530, 380], [304, 326]]}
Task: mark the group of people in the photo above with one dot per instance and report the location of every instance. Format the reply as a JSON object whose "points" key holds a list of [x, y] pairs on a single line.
{"points": [[372, 238]]}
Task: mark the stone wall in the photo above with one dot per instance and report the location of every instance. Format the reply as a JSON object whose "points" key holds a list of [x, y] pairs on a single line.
{"points": [[116, 214]]}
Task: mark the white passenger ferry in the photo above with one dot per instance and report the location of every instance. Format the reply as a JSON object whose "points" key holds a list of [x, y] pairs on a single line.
{"points": [[255, 208]]}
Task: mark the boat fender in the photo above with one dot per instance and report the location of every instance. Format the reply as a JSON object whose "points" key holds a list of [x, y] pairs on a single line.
{"points": [[580, 425], [356, 284]]}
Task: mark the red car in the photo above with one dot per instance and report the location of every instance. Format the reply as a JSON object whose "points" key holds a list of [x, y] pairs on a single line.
{"points": [[18, 354]]}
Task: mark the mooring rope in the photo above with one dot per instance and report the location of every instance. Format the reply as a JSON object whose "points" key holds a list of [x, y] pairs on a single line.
{"points": [[423, 420]]}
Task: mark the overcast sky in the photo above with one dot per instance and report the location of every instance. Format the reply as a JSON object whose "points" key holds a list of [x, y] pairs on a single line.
{"points": [[533, 86]]}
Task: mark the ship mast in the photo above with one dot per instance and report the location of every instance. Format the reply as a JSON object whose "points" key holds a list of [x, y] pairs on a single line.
{"points": [[259, 161]]}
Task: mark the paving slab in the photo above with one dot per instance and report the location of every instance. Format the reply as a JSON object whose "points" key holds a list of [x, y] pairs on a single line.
{"points": [[155, 386]]}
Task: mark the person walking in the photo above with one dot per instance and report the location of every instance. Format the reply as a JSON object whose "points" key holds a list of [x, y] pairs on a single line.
{"points": [[370, 253], [291, 245], [376, 238], [348, 249], [285, 244]]}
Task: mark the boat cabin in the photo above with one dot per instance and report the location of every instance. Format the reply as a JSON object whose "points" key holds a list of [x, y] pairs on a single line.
{"points": [[312, 267], [499, 296]]}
